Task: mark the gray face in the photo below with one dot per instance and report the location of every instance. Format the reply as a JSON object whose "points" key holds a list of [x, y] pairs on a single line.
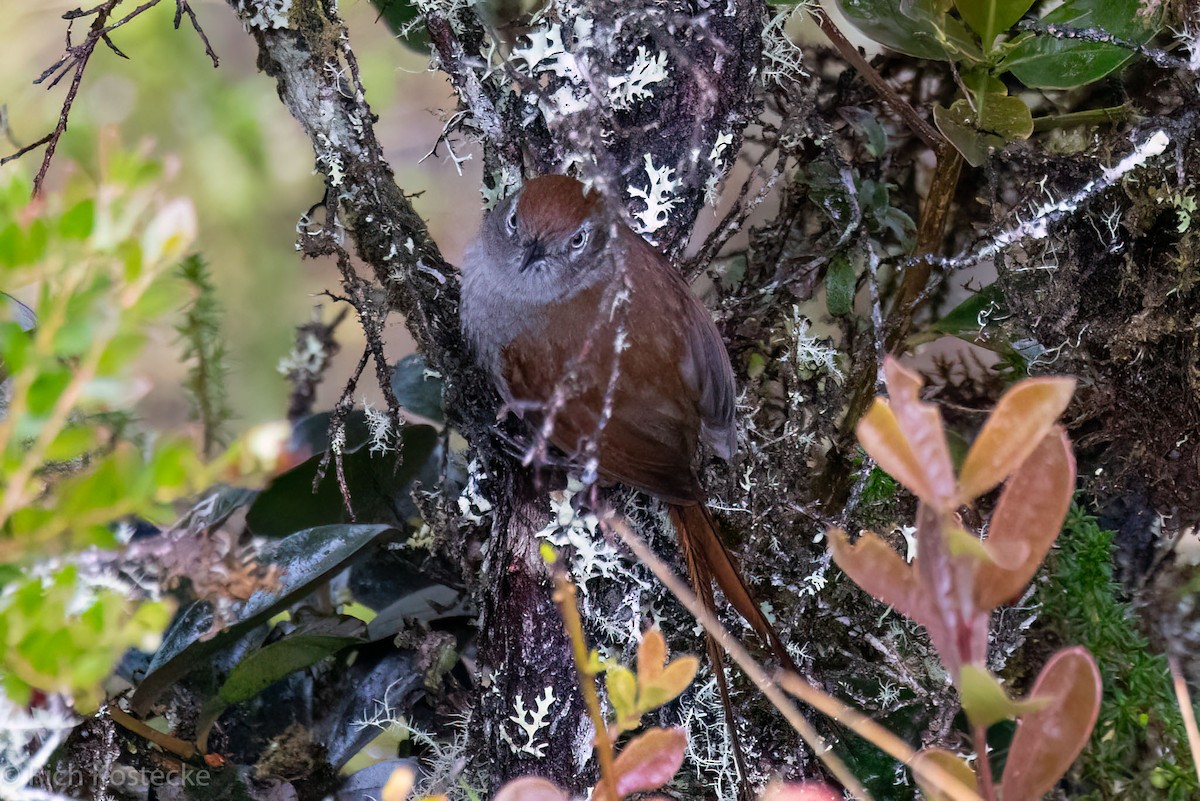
{"points": [[511, 272]]}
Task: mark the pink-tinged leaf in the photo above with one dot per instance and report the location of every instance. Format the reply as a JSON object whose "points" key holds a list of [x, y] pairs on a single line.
{"points": [[879, 433], [1020, 421], [876, 567], [954, 770], [647, 762], [808, 791], [1027, 520], [530, 788], [921, 423], [1047, 741]]}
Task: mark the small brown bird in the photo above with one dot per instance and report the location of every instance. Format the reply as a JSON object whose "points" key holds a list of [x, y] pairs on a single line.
{"points": [[591, 334]]}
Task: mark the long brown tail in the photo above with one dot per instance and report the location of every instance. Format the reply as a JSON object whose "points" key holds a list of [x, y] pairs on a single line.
{"points": [[708, 560]]}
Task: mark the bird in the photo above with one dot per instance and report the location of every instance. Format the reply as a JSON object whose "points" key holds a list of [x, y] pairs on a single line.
{"points": [[590, 333]]}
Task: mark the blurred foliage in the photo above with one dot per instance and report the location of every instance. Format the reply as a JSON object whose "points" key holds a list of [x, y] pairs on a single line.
{"points": [[1139, 740], [100, 261]]}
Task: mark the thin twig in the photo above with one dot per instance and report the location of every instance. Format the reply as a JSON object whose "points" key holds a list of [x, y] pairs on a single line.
{"points": [[928, 134]]}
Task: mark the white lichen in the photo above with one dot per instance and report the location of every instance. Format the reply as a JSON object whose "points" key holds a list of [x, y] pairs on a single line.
{"points": [[626, 91], [379, 427], [658, 195], [504, 183], [264, 15], [29, 736], [807, 354], [530, 722], [591, 555], [783, 60], [473, 507]]}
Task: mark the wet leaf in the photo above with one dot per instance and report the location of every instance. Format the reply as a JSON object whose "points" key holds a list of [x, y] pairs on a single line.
{"points": [[952, 764], [1047, 741], [958, 124], [808, 791], [1021, 419], [1027, 520]]}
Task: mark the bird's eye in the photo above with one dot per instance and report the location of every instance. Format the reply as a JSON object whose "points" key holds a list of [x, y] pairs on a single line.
{"points": [[511, 222], [580, 239]]}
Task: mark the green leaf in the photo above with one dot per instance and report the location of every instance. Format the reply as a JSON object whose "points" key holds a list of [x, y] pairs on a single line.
{"points": [[990, 18], [621, 685], [958, 124], [914, 27], [840, 283], [78, 221], [1042, 61], [400, 16], [378, 485], [416, 389], [986, 702], [966, 316]]}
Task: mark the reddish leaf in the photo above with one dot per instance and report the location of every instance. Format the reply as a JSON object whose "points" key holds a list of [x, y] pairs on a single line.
{"points": [[922, 426], [1020, 421], [530, 788], [1027, 520], [808, 791], [876, 567], [647, 762], [952, 765], [1047, 741]]}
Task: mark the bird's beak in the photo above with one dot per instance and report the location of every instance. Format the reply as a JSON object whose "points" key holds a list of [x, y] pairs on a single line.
{"points": [[534, 252]]}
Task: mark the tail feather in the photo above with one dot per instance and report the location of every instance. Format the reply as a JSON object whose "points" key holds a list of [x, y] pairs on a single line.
{"points": [[709, 560]]}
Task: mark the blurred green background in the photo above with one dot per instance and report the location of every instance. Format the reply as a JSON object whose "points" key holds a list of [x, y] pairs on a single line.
{"points": [[230, 145]]}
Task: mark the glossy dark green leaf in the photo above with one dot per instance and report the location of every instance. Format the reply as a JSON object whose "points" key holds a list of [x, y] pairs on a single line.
{"points": [[958, 124], [305, 560], [416, 390], [1046, 62], [917, 28], [377, 483]]}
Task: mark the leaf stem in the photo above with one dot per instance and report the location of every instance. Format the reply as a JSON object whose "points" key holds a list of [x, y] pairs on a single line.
{"points": [[564, 596], [983, 761]]}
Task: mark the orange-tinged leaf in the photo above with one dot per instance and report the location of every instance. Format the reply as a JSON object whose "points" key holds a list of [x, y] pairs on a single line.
{"points": [[667, 684], [879, 433], [808, 791], [921, 423], [651, 654], [952, 764], [984, 699], [879, 570], [530, 788], [1047, 741], [1021, 419], [399, 784], [1027, 520], [646, 763]]}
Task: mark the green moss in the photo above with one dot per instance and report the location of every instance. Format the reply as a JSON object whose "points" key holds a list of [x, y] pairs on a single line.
{"points": [[1139, 744]]}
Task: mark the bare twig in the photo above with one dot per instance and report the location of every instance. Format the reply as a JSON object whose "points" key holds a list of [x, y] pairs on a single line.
{"points": [[74, 62]]}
